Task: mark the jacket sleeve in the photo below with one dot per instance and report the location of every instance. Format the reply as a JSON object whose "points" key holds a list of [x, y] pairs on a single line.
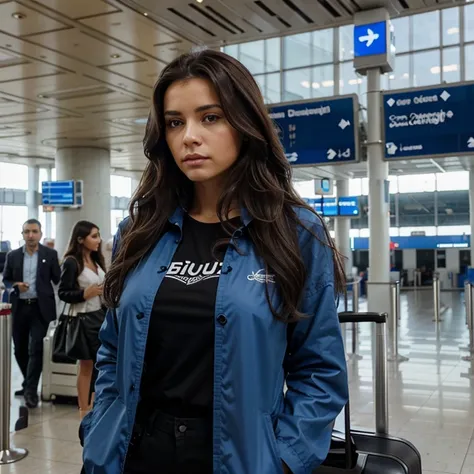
{"points": [[55, 268], [316, 367], [8, 272], [69, 290]]}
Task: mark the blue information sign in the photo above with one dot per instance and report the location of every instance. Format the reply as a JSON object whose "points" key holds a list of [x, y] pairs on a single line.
{"points": [[58, 193], [323, 131], [370, 39], [349, 206], [332, 207], [429, 122]]}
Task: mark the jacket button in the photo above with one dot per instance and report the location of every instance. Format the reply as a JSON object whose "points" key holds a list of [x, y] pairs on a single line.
{"points": [[132, 387], [140, 316], [222, 320]]}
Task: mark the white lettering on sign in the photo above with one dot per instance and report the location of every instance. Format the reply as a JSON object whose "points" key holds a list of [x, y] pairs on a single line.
{"points": [[421, 99], [277, 115], [411, 147], [307, 112], [416, 119]]}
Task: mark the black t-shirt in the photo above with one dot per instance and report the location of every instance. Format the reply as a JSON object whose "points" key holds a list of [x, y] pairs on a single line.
{"points": [[178, 374]]}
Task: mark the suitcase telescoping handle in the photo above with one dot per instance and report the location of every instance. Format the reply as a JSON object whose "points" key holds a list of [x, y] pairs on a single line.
{"points": [[380, 364]]}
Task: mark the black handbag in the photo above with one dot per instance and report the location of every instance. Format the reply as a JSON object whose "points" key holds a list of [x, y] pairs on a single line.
{"points": [[59, 342]]}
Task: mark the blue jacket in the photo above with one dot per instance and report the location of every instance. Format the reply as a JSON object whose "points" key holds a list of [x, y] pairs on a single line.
{"points": [[255, 425]]}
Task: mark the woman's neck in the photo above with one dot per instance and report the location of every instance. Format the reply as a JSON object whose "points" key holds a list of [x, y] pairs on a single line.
{"points": [[204, 208], [86, 255]]}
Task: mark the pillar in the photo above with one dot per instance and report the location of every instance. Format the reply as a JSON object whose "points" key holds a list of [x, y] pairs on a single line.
{"points": [[342, 227], [48, 221], [92, 165], [32, 193], [379, 217], [471, 211]]}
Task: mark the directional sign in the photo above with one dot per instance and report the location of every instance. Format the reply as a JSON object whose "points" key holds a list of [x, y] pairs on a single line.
{"points": [[421, 123], [323, 131], [370, 39]]}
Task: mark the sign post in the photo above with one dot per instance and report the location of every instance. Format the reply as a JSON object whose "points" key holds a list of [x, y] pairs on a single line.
{"points": [[320, 131]]}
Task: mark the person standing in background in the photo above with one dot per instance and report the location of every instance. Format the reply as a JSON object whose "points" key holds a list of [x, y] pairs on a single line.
{"points": [[30, 271], [83, 272]]}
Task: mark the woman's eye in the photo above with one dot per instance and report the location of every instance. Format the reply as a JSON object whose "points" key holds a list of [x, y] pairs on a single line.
{"points": [[211, 118], [174, 123]]}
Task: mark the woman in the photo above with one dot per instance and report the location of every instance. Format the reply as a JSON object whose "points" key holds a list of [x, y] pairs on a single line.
{"points": [[222, 288], [82, 276]]}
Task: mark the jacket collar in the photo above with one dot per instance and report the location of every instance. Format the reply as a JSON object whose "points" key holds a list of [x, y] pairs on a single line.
{"points": [[178, 215]]}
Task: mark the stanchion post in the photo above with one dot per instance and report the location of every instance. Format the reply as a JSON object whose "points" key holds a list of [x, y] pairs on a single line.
{"points": [[355, 326], [467, 303], [469, 298], [8, 455], [437, 298], [394, 317], [381, 380]]}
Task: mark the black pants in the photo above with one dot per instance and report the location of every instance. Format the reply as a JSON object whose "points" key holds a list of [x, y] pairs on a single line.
{"points": [[29, 329], [162, 443]]}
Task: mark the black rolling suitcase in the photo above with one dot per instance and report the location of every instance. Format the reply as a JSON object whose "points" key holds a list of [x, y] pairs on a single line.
{"points": [[362, 452]]}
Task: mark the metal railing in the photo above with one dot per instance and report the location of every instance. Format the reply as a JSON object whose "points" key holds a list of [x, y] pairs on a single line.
{"points": [[469, 300], [437, 298], [8, 455], [355, 309], [393, 320]]}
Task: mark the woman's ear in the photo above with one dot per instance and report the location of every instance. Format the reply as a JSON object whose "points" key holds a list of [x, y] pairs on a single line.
{"points": [[80, 240]]}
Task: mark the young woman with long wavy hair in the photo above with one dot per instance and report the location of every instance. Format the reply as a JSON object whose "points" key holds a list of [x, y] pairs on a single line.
{"points": [[222, 289]]}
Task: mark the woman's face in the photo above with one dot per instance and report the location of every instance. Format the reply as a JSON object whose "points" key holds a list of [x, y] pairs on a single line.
{"points": [[202, 141], [92, 241]]}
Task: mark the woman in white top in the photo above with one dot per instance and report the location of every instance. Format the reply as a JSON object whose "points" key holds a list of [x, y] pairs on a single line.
{"points": [[82, 276]]}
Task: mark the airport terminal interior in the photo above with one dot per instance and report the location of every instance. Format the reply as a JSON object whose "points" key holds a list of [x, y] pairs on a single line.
{"points": [[382, 146]]}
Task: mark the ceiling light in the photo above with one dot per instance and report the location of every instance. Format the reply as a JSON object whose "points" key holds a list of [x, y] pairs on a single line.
{"points": [[306, 84], [391, 77], [316, 85], [435, 70], [450, 68], [328, 83], [115, 56], [146, 14], [453, 31], [354, 82], [199, 1], [18, 16]]}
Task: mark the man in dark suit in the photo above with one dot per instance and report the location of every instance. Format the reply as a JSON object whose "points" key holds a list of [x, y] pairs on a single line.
{"points": [[29, 271]]}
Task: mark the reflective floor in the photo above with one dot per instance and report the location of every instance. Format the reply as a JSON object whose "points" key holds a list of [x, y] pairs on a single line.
{"points": [[431, 397]]}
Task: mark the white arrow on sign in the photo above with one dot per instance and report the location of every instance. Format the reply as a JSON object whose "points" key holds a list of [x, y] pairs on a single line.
{"points": [[331, 154], [390, 102], [470, 142], [369, 38], [344, 123], [292, 157]]}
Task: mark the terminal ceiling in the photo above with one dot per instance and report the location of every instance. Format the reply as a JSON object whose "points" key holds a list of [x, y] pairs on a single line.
{"points": [[81, 72]]}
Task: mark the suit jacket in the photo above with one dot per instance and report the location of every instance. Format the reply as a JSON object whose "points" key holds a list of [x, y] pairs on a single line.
{"points": [[48, 272]]}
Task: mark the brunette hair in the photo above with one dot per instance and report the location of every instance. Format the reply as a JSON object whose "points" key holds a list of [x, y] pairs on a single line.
{"points": [[80, 231], [260, 181]]}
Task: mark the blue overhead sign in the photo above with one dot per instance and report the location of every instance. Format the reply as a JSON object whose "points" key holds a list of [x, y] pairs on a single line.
{"points": [[333, 207], [57, 193], [429, 122], [318, 132], [370, 39]]}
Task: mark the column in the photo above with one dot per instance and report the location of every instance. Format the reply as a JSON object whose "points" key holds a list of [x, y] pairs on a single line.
{"points": [[342, 227], [92, 165], [32, 193], [471, 212], [48, 221], [379, 217]]}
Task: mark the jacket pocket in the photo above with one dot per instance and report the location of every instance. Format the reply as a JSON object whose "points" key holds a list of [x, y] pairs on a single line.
{"points": [[272, 444]]}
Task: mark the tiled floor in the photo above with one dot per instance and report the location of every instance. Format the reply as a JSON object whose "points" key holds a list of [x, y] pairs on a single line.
{"points": [[431, 397]]}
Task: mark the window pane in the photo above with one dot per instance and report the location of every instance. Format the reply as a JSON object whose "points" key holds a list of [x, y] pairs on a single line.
{"points": [[13, 176], [394, 231], [322, 84], [454, 230], [11, 220], [297, 50], [355, 187], [346, 42], [232, 50], [400, 77], [53, 174], [116, 217], [393, 184], [365, 186], [352, 83], [273, 89], [42, 176], [417, 183], [252, 55], [469, 61], [426, 68], [120, 186], [426, 30], [451, 65], [469, 22], [402, 34], [272, 58], [453, 181], [406, 231], [323, 48], [450, 26], [297, 85]]}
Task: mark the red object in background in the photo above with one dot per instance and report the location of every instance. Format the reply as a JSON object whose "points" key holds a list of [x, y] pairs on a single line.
{"points": [[393, 246]]}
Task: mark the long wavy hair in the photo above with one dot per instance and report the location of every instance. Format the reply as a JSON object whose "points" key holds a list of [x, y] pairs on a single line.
{"points": [[259, 181], [81, 230]]}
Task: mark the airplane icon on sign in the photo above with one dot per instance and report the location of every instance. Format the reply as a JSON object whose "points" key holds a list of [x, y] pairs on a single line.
{"points": [[369, 38]]}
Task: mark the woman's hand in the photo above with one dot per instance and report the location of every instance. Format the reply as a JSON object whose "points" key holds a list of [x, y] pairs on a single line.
{"points": [[92, 291]]}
